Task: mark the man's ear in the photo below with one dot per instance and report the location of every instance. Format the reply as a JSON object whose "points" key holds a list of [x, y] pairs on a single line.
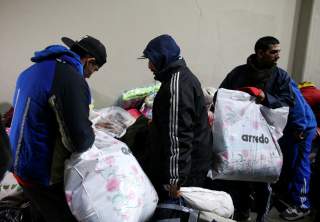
{"points": [[259, 53]]}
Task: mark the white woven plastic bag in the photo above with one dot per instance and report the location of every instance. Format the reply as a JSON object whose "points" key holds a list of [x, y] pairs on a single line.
{"points": [[245, 134], [217, 202], [106, 184]]}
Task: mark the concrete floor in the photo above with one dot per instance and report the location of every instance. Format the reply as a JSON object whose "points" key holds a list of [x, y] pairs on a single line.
{"points": [[274, 217]]}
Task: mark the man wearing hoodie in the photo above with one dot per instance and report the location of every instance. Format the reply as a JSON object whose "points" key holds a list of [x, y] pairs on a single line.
{"points": [[181, 151], [51, 120], [261, 77], [296, 144]]}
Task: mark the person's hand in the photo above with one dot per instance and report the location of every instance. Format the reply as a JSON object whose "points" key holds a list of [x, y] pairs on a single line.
{"points": [[312, 157], [254, 91], [174, 191], [210, 118], [260, 97], [298, 135]]}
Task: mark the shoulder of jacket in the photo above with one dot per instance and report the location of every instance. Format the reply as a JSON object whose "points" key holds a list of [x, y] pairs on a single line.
{"points": [[282, 71], [68, 71], [239, 68], [187, 76]]}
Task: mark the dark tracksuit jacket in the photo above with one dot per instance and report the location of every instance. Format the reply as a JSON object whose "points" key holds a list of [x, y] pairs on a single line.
{"points": [[50, 121], [181, 137]]}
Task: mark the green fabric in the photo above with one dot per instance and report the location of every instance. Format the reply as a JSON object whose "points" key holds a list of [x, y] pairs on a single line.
{"points": [[140, 92]]}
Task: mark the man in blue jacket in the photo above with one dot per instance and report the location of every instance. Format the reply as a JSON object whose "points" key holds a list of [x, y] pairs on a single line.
{"points": [[51, 120], [296, 144]]}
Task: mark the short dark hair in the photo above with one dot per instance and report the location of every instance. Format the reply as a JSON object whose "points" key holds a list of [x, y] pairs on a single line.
{"points": [[265, 42]]}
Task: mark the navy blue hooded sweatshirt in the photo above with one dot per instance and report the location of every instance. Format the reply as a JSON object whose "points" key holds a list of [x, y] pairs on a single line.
{"points": [[181, 137], [50, 120]]}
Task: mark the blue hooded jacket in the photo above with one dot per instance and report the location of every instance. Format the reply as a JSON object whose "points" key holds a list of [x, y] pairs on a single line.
{"points": [[34, 128], [58, 52], [162, 51], [301, 117]]}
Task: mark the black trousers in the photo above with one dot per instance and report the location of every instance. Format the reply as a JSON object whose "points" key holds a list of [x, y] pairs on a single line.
{"points": [[50, 202], [246, 196], [315, 183]]}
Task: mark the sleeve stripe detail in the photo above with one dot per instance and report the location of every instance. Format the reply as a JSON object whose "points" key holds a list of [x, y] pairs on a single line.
{"points": [[21, 134], [173, 129]]}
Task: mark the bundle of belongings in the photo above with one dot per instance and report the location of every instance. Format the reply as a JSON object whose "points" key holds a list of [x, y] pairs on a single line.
{"points": [[246, 135], [108, 183], [14, 205], [139, 100], [197, 204]]}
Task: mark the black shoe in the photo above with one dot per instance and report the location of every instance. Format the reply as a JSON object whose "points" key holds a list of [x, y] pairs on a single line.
{"points": [[294, 213]]}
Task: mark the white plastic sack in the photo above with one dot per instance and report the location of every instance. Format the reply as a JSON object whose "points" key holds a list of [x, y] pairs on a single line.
{"points": [[106, 183], [8, 185], [245, 134], [217, 202], [208, 93], [112, 120]]}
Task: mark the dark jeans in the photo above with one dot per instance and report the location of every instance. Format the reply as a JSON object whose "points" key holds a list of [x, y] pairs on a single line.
{"points": [[51, 202]]}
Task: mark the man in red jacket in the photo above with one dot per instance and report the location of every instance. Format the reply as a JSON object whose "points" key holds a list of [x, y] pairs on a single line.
{"points": [[312, 95]]}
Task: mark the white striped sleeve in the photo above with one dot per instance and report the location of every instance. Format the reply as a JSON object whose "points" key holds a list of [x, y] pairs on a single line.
{"points": [[173, 129]]}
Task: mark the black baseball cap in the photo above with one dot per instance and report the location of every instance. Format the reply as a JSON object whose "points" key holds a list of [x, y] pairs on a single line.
{"points": [[89, 45]]}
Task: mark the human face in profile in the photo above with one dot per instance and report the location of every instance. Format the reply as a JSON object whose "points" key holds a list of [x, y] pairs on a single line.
{"points": [[270, 56], [151, 67], [90, 66]]}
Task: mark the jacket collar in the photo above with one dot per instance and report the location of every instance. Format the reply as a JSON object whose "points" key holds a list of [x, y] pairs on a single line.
{"points": [[166, 73]]}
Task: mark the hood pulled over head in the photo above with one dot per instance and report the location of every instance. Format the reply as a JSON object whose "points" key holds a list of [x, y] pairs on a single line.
{"points": [[162, 51]]}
